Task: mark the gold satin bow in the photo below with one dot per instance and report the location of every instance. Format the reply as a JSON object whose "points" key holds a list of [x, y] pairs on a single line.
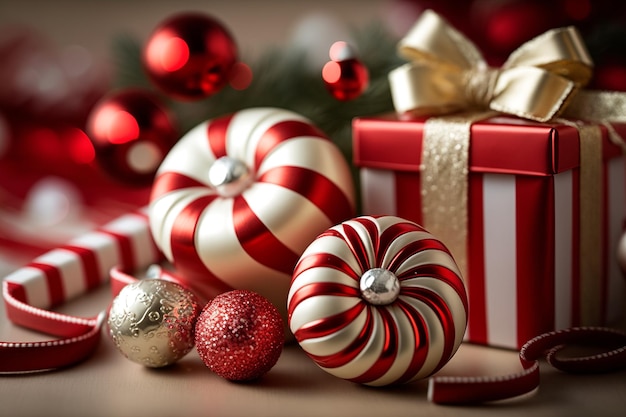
{"points": [[447, 73]]}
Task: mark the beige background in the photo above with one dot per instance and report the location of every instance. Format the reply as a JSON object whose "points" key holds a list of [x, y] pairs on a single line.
{"points": [[109, 385], [256, 25]]}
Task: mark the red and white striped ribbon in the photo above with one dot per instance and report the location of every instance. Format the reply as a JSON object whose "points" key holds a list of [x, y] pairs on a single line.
{"points": [[60, 275]]}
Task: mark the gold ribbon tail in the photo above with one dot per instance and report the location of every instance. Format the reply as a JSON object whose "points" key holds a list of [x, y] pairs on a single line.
{"points": [[590, 224], [444, 184]]}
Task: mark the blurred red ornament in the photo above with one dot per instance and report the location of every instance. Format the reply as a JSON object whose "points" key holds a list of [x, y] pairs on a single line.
{"points": [[79, 146], [345, 77], [241, 76], [190, 56], [45, 83], [577, 9], [610, 76], [240, 335], [131, 131], [505, 25]]}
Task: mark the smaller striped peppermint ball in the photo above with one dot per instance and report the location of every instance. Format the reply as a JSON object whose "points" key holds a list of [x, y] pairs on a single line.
{"points": [[378, 301]]}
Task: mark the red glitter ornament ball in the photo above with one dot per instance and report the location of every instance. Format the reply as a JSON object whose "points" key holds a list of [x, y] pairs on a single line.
{"points": [[345, 77], [240, 335], [190, 56], [131, 132]]}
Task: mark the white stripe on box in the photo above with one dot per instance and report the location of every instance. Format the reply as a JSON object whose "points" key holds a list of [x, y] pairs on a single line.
{"points": [[145, 249], [104, 247], [563, 241], [500, 259], [617, 209], [127, 224], [33, 280], [70, 268], [136, 227], [378, 189]]}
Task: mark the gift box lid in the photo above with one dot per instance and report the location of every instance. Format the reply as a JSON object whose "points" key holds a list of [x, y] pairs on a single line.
{"points": [[502, 144]]}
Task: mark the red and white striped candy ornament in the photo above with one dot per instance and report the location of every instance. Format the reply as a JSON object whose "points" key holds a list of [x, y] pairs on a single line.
{"points": [[378, 301], [238, 198]]}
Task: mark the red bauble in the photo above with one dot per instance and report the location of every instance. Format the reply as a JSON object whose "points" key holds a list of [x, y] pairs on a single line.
{"points": [[239, 335], [507, 24], [131, 131], [190, 56], [43, 82], [345, 76], [610, 76]]}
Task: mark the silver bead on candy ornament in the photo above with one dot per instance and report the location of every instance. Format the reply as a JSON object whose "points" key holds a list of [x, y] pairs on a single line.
{"points": [[379, 286], [229, 176], [152, 322]]}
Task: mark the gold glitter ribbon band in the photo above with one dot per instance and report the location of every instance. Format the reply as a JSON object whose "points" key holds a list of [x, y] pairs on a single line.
{"points": [[601, 107], [444, 170], [590, 223]]}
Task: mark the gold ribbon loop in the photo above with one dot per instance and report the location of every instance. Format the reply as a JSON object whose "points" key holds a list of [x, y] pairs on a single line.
{"points": [[537, 81], [432, 39], [531, 93], [560, 51]]}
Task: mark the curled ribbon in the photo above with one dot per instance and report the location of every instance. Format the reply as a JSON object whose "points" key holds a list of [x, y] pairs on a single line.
{"points": [[447, 73], [611, 356]]}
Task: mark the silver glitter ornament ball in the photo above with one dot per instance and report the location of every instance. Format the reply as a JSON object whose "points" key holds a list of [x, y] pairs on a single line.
{"points": [[152, 322]]}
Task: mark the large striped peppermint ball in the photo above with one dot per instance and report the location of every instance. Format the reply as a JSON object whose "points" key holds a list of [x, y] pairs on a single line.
{"points": [[378, 301], [238, 198]]}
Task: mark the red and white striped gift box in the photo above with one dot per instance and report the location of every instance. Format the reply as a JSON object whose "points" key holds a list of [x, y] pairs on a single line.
{"points": [[523, 220]]}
